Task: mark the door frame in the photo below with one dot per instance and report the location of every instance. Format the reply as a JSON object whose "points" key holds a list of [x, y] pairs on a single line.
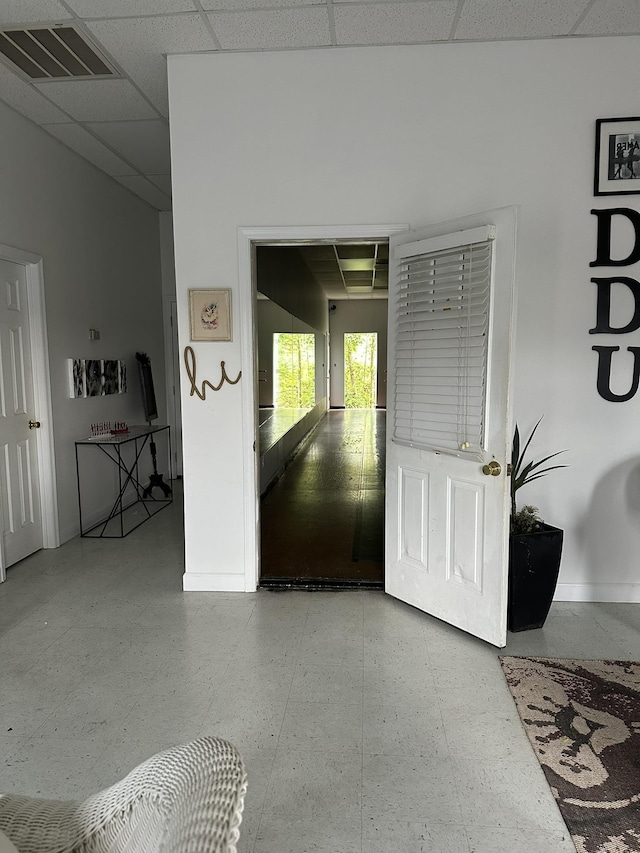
{"points": [[39, 348], [172, 373], [248, 238]]}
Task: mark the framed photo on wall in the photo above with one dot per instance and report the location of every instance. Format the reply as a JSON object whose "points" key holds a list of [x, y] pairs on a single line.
{"points": [[617, 167], [210, 315]]}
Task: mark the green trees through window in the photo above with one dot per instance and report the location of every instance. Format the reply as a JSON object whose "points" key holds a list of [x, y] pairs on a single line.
{"points": [[360, 369], [295, 371]]}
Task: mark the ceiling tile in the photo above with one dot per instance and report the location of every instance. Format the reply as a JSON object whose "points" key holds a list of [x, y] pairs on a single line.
{"points": [[163, 182], [139, 45], [501, 19], [32, 11], [25, 99], [143, 143], [152, 195], [83, 143], [390, 23], [361, 250], [97, 100], [125, 8], [320, 252], [273, 28], [611, 17]]}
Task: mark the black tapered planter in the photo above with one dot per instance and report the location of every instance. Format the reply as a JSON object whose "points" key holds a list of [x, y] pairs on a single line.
{"points": [[534, 564]]}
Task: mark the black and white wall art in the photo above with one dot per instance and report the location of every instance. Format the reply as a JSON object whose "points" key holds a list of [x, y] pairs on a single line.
{"points": [[617, 166], [96, 377]]}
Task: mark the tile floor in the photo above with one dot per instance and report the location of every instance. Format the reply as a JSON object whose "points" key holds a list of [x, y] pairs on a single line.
{"points": [[323, 520], [365, 725]]}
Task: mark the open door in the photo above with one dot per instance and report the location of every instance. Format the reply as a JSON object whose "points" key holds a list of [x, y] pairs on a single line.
{"points": [[451, 327]]}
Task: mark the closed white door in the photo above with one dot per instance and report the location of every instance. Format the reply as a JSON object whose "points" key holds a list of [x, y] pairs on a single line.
{"points": [[21, 520], [449, 420]]}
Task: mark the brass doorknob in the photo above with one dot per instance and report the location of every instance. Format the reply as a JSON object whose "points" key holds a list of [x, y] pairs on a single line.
{"points": [[34, 424], [492, 469]]}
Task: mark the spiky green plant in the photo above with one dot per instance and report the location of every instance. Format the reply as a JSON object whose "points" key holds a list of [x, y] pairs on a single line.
{"points": [[527, 520], [523, 473]]}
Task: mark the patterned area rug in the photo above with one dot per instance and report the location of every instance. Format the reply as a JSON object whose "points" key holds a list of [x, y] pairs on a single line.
{"points": [[583, 720]]}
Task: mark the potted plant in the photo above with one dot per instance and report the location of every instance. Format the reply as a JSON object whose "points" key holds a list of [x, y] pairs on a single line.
{"points": [[535, 548]]}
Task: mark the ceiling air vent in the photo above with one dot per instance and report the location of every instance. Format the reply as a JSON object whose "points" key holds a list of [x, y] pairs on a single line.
{"points": [[52, 52]]}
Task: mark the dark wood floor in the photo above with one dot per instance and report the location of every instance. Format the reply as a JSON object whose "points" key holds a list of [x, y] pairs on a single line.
{"points": [[324, 518]]}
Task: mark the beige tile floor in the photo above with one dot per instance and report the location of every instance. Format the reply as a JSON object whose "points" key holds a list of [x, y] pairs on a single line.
{"points": [[366, 726]]}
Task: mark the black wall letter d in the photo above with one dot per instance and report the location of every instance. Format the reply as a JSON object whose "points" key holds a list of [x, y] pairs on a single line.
{"points": [[603, 250]]}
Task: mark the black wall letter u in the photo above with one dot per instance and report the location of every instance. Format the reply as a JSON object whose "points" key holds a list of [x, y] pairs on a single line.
{"points": [[604, 373]]}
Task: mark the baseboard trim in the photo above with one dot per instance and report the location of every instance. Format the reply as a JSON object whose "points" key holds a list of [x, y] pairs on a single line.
{"points": [[318, 583], [211, 582], [605, 592]]}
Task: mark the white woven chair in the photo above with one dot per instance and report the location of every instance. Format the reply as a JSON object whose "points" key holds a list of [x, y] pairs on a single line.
{"points": [[187, 799]]}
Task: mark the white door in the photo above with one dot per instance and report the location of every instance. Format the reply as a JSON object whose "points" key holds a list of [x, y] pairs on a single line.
{"points": [[449, 364], [19, 483]]}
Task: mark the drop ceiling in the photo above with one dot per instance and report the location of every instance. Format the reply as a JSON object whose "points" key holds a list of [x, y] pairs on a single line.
{"points": [[342, 270], [119, 121]]}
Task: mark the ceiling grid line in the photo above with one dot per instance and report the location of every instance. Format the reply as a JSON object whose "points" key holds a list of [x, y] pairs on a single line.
{"points": [[206, 20], [332, 23], [582, 17], [456, 20]]}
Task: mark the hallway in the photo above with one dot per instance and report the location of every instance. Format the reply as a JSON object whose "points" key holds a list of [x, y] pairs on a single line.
{"points": [[323, 521]]}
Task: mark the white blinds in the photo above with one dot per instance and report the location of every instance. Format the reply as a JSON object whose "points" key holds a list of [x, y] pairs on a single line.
{"points": [[442, 322]]}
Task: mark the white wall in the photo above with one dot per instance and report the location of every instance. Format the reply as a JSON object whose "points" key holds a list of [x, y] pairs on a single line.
{"points": [[459, 129], [101, 259], [358, 315]]}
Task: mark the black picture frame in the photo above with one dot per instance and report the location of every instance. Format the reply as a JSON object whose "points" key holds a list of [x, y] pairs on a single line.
{"points": [[146, 386], [617, 156]]}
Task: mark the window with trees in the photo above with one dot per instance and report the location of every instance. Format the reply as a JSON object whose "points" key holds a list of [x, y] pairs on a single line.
{"points": [[294, 371], [360, 369]]}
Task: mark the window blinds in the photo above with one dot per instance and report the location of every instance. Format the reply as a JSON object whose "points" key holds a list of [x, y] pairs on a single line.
{"points": [[442, 323]]}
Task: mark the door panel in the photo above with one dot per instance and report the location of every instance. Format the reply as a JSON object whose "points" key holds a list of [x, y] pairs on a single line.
{"points": [[16, 349], [19, 489], [465, 512], [447, 520], [414, 493]]}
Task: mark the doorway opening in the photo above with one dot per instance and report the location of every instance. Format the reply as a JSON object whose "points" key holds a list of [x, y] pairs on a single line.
{"points": [[360, 370], [321, 320]]}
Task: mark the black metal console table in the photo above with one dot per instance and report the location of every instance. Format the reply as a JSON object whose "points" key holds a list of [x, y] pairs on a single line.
{"points": [[123, 516]]}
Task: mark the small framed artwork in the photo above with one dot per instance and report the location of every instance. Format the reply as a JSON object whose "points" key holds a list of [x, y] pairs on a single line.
{"points": [[210, 315], [77, 383], [617, 167]]}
